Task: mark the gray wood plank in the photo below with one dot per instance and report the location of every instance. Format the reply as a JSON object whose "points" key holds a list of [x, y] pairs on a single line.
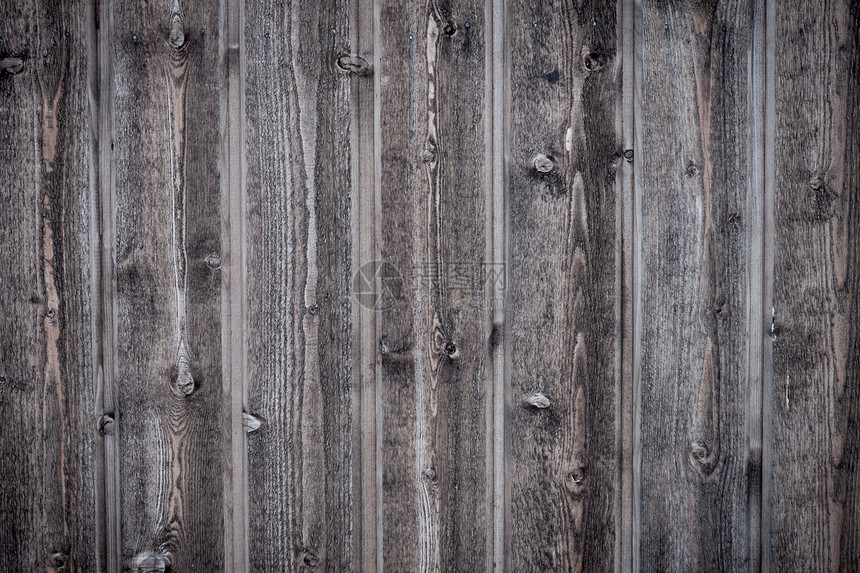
{"points": [[565, 286], [167, 239], [304, 472], [813, 433], [48, 346], [696, 197], [435, 336]]}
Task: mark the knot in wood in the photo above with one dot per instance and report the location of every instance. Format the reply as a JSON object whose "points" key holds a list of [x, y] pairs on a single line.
{"points": [[538, 400], [151, 562], [815, 183], [11, 65], [177, 33], [213, 261], [577, 475], [628, 155], [543, 163], [430, 474], [450, 348], [250, 423], [692, 169], [428, 156], [699, 450], [449, 29], [592, 61], [58, 560], [310, 559], [353, 64], [106, 424], [314, 309]]}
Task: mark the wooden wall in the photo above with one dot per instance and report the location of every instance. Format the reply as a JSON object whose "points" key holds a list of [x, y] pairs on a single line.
{"points": [[462, 285]]}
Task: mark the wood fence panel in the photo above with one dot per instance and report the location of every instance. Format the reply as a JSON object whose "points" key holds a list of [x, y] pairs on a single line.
{"points": [[48, 336], [565, 286], [165, 192], [304, 462], [434, 239], [814, 437], [697, 204]]}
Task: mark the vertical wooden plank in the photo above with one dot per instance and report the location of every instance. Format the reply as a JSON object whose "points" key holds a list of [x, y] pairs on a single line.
{"points": [[565, 287], [48, 346], [234, 308], [166, 77], [304, 472], [814, 438], [699, 206], [436, 251]]}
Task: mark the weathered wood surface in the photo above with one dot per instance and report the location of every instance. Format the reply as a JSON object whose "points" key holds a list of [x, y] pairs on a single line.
{"points": [[304, 470], [48, 294], [436, 383], [564, 290], [368, 285], [165, 76], [696, 200], [814, 437]]}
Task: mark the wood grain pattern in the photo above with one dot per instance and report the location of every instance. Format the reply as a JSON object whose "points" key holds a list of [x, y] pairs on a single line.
{"points": [[304, 465], [365, 285], [694, 182], [564, 286], [814, 436], [167, 236], [435, 337], [48, 345]]}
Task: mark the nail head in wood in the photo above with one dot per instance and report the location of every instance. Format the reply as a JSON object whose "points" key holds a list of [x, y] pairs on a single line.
{"points": [[538, 400], [543, 163]]}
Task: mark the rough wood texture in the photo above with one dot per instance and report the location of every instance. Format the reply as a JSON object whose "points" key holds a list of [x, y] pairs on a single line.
{"points": [[48, 345], [564, 288], [304, 466], [365, 285], [694, 175], [814, 432], [167, 237], [436, 375]]}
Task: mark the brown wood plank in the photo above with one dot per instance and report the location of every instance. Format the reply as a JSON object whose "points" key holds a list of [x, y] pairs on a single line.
{"points": [[814, 436], [697, 196], [304, 472], [565, 288], [48, 346], [435, 335], [167, 240]]}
